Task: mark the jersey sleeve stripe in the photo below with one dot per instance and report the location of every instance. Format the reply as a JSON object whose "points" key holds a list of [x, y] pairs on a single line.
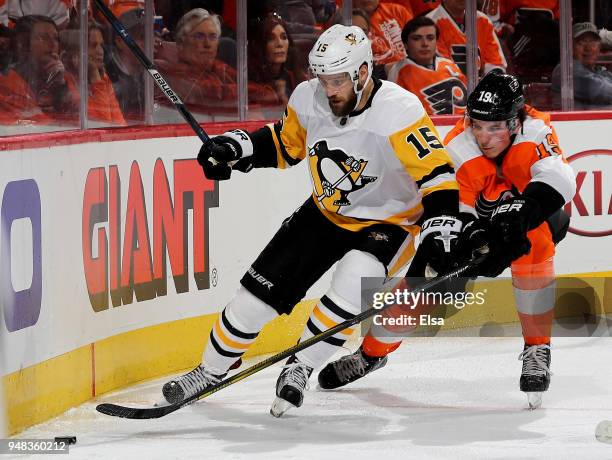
{"points": [[445, 169], [284, 156]]}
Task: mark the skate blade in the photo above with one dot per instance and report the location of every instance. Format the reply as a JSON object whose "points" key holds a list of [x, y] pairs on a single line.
{"points": [[279, 407], [603, 432], [534, 399]]}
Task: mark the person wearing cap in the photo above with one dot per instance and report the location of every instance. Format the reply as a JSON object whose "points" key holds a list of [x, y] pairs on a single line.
{"points": [[592, 82]]}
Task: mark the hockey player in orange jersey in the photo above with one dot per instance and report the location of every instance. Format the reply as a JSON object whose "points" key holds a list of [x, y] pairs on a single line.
{"points": [[513, 182], [436, 81], [450, 19]]}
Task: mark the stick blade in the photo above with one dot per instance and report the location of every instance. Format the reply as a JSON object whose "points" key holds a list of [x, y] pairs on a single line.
{"points": [[115, 410]]}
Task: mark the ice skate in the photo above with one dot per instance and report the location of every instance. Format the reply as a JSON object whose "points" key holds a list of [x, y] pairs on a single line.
{"points": [[348, 369], [290, 386], [535, 376], [189, 384]]}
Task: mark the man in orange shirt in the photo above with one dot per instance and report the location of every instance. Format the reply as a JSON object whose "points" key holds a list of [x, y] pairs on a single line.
{"points": [[450, 19], [436, 81], [386, 23], [513, 183]]}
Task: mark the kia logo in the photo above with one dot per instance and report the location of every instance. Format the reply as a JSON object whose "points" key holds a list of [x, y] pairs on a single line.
{"points": [[591, 207]]}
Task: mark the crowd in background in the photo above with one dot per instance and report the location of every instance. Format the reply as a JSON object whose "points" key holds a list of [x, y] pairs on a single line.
{"points": [[419, 44]]}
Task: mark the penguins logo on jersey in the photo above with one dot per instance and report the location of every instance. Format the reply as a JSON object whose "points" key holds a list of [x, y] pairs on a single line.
{"points": [[445, 95], [335, 175]]}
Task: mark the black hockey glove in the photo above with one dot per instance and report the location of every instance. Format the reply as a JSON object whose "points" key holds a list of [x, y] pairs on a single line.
{"points": [[473, 241], [219, 154], [507, 233], [439, 245]]}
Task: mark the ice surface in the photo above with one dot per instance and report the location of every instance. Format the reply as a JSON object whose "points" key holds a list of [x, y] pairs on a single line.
{"points": [[443, 398]]}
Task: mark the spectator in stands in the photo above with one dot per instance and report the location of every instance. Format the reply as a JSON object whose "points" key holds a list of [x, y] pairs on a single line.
{"points": [[271, 60], [198, 76], [360, 19], [533, 43], [124, 70], [450, 20], [435, 80], [592, 83], [102, 103], [37, 88], [386, 23]]}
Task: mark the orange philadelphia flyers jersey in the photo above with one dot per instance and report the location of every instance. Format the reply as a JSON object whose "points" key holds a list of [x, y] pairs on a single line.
{"points": [[534, 156], [386, 24], [452, 40], [442, 89]]}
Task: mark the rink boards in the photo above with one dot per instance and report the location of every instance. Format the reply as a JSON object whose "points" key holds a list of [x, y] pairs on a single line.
{"points": [[117, 254]]}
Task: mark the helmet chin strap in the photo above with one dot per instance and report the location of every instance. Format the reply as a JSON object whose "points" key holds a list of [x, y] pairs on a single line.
{"points": [[359, 92]]}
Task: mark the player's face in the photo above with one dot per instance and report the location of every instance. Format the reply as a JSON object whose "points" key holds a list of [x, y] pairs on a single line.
{"points": [[493, 137], [587, 49], [421, 45], [340, 93]]}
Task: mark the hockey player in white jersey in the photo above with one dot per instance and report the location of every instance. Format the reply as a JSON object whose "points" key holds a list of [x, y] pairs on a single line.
{"points": [[378, 169]]}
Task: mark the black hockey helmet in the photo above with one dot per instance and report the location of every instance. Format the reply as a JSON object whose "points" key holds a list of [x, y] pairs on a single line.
{"points": [[498, 96]]}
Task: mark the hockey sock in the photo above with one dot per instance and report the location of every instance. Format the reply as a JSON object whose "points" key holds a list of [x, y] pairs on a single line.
{"points": [[326, 314], [235, 330], [534, 291], [376, 348]]}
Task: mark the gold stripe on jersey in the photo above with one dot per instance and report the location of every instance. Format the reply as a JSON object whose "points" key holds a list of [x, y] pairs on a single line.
{"points": [[404, 219], [420, 151], [404, 254], [290, 142]]}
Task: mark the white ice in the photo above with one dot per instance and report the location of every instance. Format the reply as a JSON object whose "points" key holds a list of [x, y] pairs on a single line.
{"points": [[443, 398]]}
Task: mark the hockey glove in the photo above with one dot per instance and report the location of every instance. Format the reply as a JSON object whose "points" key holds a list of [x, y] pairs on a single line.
{"points": [[438, 246], [473, 240], [219, 154], [507, 233]]}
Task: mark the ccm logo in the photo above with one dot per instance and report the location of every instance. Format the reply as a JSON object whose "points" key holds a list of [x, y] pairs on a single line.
{"points": [[591, 206]]}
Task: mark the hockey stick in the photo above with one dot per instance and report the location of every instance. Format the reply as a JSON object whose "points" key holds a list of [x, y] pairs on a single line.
{"points": [[150, 67], [160, 411]]}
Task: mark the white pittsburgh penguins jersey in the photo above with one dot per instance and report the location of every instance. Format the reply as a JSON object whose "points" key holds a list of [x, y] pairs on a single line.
{"points": [[374, 165]]}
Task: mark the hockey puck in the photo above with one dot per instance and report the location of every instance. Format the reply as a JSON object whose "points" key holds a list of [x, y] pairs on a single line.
{"points": [[66, 439]]}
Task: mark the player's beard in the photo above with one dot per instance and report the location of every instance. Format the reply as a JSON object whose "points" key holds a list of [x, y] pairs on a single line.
{"points": [[341, 107]]}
